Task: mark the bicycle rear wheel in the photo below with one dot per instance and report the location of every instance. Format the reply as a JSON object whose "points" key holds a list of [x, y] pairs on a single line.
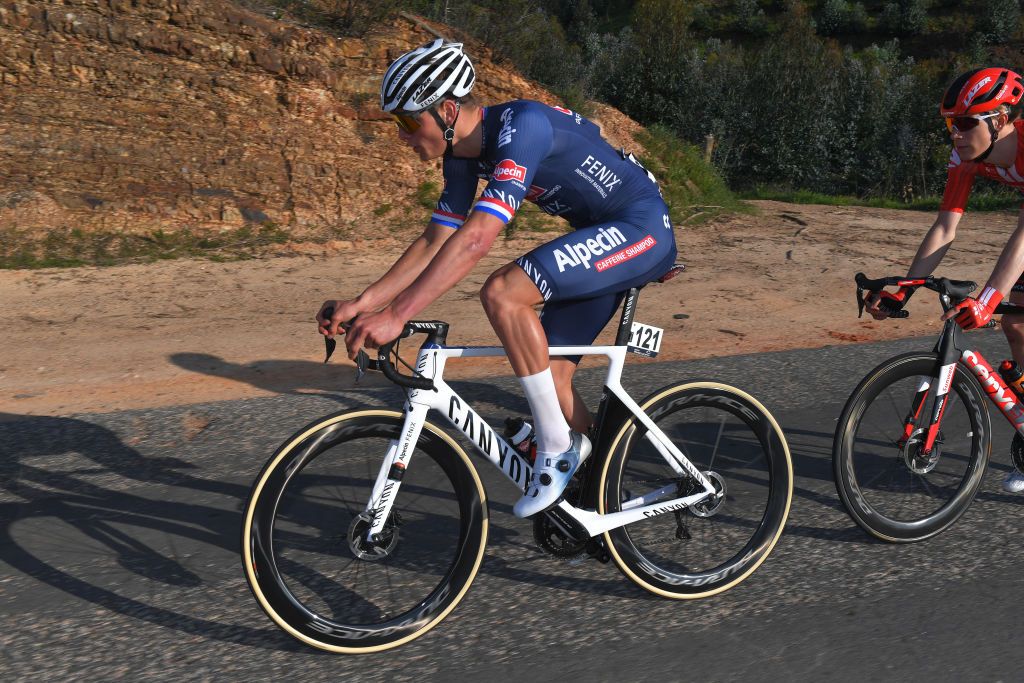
{"points": [[890, 487], [304, 549], [702, 550]]}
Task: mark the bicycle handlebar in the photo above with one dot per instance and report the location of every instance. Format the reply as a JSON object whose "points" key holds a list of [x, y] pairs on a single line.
{"points": [[383, 362], [955, 290]]}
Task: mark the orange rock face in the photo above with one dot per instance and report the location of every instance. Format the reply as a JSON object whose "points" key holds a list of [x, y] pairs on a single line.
{"points": [[133, 116]]}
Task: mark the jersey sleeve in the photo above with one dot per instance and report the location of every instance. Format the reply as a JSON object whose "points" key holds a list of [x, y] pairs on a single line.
{"points": [[524, 141], [460, 183], [959, 179]]}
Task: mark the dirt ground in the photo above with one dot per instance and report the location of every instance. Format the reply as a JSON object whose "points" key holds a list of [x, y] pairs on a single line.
{"points": [[177, 332]]}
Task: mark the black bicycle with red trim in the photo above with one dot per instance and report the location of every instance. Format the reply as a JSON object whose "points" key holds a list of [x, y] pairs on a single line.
{"points": [[913, 440]]}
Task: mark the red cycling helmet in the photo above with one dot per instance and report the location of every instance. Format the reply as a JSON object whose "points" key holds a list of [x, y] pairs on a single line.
{"points": [[980, 91]]}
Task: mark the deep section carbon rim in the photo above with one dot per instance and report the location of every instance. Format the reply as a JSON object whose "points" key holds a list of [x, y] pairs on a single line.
{"points": [[310, 566], [890, 486], [700, 551]]}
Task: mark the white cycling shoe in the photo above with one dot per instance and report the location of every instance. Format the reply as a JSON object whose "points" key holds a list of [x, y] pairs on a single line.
{"points": [[551, 476], [1014, 482]]}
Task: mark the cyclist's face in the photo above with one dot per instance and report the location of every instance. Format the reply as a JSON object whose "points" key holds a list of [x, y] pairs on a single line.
{"points": [[970, 143], [427, 140]]}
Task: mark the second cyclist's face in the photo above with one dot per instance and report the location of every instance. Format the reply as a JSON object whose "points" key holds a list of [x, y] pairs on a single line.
{"points": [[969, 144], [973, 142], [427, 140]]}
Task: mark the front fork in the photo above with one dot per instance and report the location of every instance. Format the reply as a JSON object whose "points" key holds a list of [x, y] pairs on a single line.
{"points": [[946, 348], [392, 469]]}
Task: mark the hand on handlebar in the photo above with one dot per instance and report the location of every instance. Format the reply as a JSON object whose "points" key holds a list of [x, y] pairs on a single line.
{"points": [[882, 304], [972, 313], [373, 329], [333, 313]]}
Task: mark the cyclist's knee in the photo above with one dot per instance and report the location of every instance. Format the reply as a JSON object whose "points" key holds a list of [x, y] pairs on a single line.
{"points": [[508, 286], [1013, 328], [491, 294]]}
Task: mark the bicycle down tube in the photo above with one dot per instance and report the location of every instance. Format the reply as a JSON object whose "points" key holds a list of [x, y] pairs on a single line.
{"points": [[990, 380], [431, 362]]}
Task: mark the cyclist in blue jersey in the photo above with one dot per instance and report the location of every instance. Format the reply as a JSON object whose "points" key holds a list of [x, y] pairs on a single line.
{"points": [[622, 237]]}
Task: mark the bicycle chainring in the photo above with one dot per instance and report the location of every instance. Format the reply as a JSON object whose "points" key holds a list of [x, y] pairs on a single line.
{"points": [[378, 549], [559, 535], [553, 540]]}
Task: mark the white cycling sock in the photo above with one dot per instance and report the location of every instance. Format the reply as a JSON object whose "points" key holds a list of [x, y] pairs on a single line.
{"points": [[551, 428]]}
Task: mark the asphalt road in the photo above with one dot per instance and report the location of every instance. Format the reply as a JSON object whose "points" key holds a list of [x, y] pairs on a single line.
{"points": [[119, 558]]}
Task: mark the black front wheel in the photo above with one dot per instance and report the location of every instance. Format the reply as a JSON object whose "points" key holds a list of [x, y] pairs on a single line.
{"points": [[305, 549], [891, 484]]}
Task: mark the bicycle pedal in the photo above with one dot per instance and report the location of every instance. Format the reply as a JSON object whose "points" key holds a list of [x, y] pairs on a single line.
{"points": [[596, 549]]}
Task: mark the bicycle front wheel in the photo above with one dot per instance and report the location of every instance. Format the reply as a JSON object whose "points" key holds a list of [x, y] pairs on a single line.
{"points": [[889, 485], [707, 548], [304, 546]]}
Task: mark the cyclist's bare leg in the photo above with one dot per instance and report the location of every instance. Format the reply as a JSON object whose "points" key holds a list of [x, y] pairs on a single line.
{"points": [[1013, 328], [573, 407], [508, 297]]}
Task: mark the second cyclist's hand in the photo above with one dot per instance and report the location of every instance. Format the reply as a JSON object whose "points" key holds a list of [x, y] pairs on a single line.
{"points": [[882, 305], [370, 330], [972, 313]]}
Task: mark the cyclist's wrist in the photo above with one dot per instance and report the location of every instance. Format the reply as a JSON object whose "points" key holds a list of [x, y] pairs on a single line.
{"points": [[990, 297]]}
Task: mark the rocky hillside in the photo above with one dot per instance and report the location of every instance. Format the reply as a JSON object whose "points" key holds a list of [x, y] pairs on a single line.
{"points": [[137, 115]]}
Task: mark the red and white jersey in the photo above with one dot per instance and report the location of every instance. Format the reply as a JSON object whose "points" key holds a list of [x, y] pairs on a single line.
{"points": [[961, 175]]}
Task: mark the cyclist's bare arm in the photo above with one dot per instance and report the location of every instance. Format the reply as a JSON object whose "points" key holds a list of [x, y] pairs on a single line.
{"points": [[1011, 261], [453, 262], [935, 244], [382, 292], [933, 248], [455, 259]]}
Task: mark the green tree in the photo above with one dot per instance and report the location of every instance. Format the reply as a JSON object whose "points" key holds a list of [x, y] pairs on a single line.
{"points": [[832, 17], [999, 20]]}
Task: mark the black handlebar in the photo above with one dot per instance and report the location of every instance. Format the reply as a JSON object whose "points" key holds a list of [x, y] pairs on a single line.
{"points": [[436, 330], [954, 291], [957, 290]]}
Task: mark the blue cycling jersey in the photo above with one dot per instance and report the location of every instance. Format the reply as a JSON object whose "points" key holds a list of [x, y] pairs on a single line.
{"points": [[547, 155], [622, 235]]}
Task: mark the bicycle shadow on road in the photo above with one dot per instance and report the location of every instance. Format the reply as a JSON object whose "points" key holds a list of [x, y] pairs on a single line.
{"points": [[84, 512], [50, 469]]}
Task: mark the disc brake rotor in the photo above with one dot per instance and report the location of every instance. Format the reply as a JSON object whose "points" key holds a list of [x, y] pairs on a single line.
{"points": [[917, 461], [377, 549], [710, 505]]}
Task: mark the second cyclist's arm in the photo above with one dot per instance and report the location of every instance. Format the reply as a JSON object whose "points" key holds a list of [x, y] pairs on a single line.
{"points": [[1011, 261], [935, 244], [406, 269], [453, 261]]}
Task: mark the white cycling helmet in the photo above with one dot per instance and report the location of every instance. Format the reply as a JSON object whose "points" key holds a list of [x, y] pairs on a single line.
{"points": [[418, 79]]}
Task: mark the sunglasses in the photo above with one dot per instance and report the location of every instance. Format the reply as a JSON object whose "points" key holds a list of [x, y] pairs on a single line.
{"points": [[410, 124], [964, 123]]}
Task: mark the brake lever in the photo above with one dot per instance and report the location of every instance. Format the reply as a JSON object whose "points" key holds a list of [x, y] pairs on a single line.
{"points": [[329, 342]]}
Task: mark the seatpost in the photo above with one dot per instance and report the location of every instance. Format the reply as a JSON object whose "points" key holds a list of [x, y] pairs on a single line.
{"points": [[628, 310]]}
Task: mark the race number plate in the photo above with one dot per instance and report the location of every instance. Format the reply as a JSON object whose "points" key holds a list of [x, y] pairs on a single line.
{"points": [[645, 340]]}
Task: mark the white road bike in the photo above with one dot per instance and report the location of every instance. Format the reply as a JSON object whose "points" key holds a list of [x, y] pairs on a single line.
{"points": [[366, 528]]}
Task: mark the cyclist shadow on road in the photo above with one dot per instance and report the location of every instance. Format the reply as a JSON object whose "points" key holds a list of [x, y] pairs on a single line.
{"points": [[297, 377], [61, 516], [331, 379]]}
